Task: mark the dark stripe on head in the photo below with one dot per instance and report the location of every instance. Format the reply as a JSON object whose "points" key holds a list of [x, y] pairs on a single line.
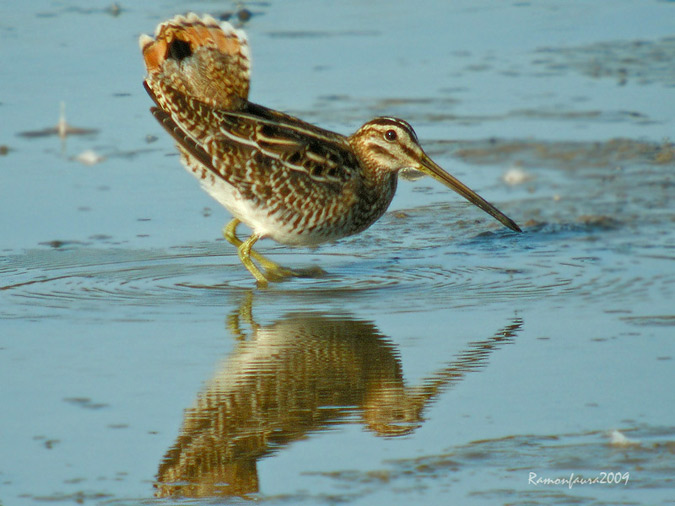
{"points": [[404, 125]]}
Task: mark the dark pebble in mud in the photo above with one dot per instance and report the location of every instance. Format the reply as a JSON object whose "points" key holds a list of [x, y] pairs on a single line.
{"points": [[244, 15], [57, 243], [599, 221]]}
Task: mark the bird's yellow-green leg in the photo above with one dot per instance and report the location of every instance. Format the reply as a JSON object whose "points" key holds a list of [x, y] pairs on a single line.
{"points": [[230, 233], [273, 271], [245, 257]]}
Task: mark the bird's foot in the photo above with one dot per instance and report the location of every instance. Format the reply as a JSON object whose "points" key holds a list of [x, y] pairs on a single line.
{"points": [[277, 273]]}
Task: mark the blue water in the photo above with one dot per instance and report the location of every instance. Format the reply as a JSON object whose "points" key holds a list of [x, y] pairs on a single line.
{"points": [[128, 327]]}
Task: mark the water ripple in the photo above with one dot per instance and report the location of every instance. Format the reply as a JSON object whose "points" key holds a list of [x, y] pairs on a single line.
{"points": [[548, 261]]}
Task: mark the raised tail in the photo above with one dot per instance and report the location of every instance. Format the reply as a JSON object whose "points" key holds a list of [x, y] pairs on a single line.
{"points": [[201, 58]]}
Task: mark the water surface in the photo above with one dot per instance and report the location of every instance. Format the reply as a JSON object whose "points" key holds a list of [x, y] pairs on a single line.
{"points": [[441, 359]]}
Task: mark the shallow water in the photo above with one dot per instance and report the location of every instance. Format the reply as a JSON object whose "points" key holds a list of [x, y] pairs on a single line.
{"points": [[441, 359]]}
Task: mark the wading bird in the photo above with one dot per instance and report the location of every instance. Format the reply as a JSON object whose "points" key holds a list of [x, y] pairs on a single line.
{"points": [[284, 178]]}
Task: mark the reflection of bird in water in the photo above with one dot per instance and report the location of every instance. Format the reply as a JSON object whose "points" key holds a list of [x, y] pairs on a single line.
{"points": [[286, 179], [302, 374]]}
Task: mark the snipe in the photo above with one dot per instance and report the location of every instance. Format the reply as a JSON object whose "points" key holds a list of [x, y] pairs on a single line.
{"points": [[286, 179]]}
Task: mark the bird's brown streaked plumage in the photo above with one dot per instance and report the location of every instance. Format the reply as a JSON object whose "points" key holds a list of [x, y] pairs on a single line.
{"points": [[283, 177]]}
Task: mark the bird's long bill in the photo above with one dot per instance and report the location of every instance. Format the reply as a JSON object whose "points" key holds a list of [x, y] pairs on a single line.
{"points": [[428, 166]]}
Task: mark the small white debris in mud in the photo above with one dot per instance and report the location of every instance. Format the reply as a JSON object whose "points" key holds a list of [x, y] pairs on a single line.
{"points": [[516, 175], [616, 438], [89, 157]]}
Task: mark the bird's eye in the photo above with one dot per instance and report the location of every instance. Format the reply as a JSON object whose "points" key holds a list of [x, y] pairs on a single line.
{"points": [[390, 135]]}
